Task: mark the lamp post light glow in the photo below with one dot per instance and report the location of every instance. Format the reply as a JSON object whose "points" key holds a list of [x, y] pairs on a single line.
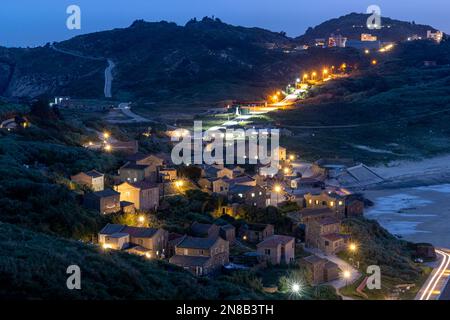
{"points": [[106, 135], [352, 247], [296, 288], [141, 219], [374, 62], [179, 183], [108, 147]]}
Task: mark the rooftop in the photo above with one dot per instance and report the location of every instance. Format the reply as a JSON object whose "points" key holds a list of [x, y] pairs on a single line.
{"points": [[94, 174], [105, 193], [137, 232], [313, 259], [309, 212], [197, 243], [189, 261], [275, 240]]}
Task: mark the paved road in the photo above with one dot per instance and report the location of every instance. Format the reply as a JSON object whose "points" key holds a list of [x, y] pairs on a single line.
{"points": [[108, 79], [108, 70], [438, 280]]}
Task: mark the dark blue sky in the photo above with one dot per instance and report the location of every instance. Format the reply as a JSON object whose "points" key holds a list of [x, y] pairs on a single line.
{"points": [[35, 22]]}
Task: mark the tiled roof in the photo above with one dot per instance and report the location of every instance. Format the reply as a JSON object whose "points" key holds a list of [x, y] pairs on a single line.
{"points": [[137, 232], [144, 185], [197, 243], [201, 228], [134, 166], [188, 261], [328, 220], [94, 174], [333, 236], [275, 240], [105, 193]]}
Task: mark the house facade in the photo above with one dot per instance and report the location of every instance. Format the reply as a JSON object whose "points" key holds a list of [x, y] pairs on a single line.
{"points": [[150, 242], [343, 205], [106, 201], [144, 194], [93, 179], [325, 235], [256, 232], [278, 249], [201, 256]]}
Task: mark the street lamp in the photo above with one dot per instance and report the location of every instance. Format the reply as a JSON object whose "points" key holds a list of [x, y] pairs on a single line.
{"points": [[141, 219], [295, 288], [346, 275], [108, 147], [179, 183], [374, 62], [313, 75], [324, 73], [106, 135], [277, 190], [353, 247]]}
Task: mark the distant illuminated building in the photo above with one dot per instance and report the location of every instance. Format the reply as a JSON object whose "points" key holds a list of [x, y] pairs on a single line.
{"points": [[320, 42], [436, 36], [337, 41], [414, 37], [368, 37]]}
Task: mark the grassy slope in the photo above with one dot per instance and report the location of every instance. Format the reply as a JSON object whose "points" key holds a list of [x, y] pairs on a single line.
{"points": [[402, 110], [33, 266], [378, 247]]}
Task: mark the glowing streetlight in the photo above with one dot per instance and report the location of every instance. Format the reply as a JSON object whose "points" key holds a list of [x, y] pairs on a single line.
{"points": [[367, 51], [90, 143], [292, 157], [148, 255], [277, 188], [286, 170], [313, 75], [106, 246], [108, 147], [106, 135], [374, 62], [295, 288], [346, 274], [141, 219], [179, 183], [352, 247]]}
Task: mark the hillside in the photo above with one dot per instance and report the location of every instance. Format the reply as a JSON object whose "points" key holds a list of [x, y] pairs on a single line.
{"points": [[33, 266], [396, 110], [353, 24]]}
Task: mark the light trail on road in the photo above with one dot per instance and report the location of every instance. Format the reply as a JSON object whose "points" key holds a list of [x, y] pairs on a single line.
{"points": [[437, 277]]}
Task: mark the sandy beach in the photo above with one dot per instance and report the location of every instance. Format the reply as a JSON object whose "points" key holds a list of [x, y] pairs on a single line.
{"points": [[414, 203]]}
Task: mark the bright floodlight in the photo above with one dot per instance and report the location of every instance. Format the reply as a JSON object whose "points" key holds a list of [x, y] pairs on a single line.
{"points": [[352, 247], [141, 219], [295, 288], [346, 274], [277, 188]]}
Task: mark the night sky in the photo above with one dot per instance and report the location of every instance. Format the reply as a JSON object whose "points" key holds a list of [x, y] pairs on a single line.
{"points": [[35, 22]]}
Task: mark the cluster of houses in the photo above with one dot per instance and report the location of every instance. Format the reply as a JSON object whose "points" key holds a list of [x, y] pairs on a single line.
{"points": [[137, 186], [205, 249]]}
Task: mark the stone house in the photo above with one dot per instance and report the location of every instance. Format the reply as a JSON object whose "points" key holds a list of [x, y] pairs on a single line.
{"points": [[92, 179], [278, 249], [144, 194], [325, 235], [201, 256], [205, 229], [256, 232], [149, 242], [344, 205], [321, 270], [106, 201]]}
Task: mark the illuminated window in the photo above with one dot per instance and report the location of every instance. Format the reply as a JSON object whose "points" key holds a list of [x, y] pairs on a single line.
{"points": [[341, 203], [332, 203], [253, 195], [240, 195]]}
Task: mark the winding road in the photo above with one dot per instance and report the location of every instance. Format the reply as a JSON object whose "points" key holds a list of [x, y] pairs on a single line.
{"points": [[108, 71], [438, 279]]}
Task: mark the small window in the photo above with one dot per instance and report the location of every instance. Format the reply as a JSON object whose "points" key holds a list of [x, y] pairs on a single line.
{"points": [[267, 252]]}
